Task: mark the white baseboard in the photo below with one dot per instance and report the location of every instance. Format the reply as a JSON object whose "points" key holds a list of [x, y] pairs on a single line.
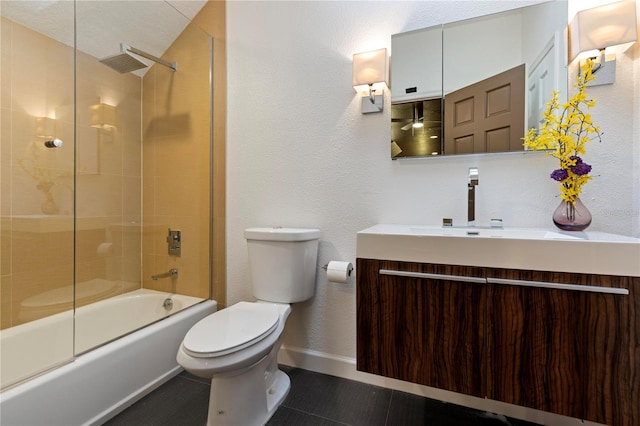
{"points": [[345, 367]]}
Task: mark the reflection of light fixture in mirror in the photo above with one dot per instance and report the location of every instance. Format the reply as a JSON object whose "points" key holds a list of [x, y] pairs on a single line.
{"points": [[370, 71], [45, 127], [418, 116], [599, 28], [102, 116]]}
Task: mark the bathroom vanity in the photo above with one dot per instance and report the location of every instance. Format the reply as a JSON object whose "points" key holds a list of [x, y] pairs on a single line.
{"points": [[535, 318]]}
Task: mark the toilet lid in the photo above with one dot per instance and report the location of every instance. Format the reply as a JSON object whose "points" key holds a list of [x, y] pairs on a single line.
{"points": [[231, 329]]}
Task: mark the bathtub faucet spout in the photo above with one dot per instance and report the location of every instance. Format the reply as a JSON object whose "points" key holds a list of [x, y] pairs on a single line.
{"points": [[173, 273]]}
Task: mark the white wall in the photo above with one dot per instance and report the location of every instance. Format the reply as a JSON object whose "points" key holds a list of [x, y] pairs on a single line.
{"points": [[301, 154]]}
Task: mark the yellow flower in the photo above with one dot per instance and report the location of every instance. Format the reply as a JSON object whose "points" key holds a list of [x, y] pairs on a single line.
{"points": [[565, 131]]}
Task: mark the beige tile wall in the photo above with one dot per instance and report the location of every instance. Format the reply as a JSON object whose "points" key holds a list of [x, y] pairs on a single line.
{"points": [[176, 177]]}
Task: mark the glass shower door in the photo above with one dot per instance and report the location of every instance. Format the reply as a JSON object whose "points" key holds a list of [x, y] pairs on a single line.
{"points": [[84, 153], [37, 157], [143, 163]]}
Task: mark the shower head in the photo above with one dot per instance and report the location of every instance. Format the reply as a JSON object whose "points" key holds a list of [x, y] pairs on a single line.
{"points": [[125, 62]]}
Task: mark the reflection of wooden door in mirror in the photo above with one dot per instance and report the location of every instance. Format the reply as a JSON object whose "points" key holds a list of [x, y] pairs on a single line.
{"points": [[487, 116], [540, 84]]}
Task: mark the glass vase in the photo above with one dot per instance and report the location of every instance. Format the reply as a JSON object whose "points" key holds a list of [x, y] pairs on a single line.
{"points": [[572, 217]]}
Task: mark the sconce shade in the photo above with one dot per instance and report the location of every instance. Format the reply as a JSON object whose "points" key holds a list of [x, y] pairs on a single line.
{"points": [[370, 68], [102, 116], [604, 26]]}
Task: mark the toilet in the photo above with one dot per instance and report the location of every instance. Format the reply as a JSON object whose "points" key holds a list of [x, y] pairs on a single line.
{"points": [[237, 347]]}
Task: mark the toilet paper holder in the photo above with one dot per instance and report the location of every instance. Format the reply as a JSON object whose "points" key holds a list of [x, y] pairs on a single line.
{"points": [[338, 272], [326, 267]]}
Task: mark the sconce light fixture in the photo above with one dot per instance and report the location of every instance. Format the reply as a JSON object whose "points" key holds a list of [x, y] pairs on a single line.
{"points": [[102, 116], [370, 76], [45, 127], [599, 28]]}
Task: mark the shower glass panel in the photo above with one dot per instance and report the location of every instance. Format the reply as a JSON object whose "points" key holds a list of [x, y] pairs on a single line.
{"points": [[37, 188], [85, 224], [142, 159]]}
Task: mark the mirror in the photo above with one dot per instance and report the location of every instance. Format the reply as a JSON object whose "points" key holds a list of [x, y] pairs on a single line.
{"points": [[474, 86]]}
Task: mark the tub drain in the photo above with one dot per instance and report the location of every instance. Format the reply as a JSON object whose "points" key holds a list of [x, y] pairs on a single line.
{"points": [[167, 304]]}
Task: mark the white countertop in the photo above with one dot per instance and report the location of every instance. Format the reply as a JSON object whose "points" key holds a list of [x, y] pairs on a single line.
{"points": [[513, 248]]}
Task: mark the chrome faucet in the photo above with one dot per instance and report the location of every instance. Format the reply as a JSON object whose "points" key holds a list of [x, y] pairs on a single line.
{"points": [[471, 197], [472, 182], [173, 273]]}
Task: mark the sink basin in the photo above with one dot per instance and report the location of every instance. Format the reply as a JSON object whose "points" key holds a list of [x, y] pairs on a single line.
{"points": [[517, 248], [529, 234]]}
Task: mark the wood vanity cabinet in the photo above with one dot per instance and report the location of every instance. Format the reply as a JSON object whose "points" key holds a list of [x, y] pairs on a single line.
{"points": [[568, 352], [515, 338], [426, 331]]}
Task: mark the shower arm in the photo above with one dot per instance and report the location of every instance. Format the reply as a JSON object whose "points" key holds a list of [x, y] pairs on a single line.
{"points": [[149, 56]]}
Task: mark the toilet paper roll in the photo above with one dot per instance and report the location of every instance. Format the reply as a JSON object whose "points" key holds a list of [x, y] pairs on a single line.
{"points": [[105, 249], [339, 272]]}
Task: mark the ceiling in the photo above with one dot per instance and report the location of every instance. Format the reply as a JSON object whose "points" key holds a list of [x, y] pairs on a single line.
{"points": [[149, 25]]}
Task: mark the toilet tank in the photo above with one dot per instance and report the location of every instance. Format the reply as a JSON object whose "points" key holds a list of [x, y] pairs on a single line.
{"points": [[283, 263]]}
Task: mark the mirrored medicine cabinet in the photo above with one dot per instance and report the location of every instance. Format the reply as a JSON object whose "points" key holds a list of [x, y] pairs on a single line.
{"points": [[474, 86]]}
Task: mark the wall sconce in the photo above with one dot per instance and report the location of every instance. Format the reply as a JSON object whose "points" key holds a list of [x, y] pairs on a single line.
{"points": [[45, 127], [102, 116], [601, 27], [370, 76]]}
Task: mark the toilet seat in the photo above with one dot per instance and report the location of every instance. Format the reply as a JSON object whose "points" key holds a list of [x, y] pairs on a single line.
{"points": [[231, 329]]}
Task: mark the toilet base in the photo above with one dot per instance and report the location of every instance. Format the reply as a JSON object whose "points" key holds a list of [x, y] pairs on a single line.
{"points": [[249, 397]]}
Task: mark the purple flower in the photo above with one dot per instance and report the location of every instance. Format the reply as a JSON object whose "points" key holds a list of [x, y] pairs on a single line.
{"points": [[581, 169], [560, 174], [577, 159]]}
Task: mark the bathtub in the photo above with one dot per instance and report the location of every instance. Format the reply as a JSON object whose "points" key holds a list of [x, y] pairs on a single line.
{"points": [[101, 382]]}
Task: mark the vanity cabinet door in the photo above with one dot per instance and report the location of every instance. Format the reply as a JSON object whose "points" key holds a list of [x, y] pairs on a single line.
{"points": [[569, 351], [424, 327]]}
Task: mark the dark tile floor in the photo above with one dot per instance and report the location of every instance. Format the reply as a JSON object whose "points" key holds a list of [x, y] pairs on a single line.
{"points": [[314, 400]]}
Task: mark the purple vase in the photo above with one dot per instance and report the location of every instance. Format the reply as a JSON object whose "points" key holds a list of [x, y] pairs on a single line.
{"points": [[570, 217]]}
